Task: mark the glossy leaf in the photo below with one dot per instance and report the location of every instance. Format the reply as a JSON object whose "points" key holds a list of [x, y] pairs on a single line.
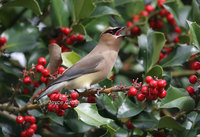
{"points": [[30, 4], [169, 122], [55, 118], [80, 11], [177, 57], [78, 28], [145, 120], [122, 2], [88, 113], [177, 98], [195, 32], [155, 71], [69, 58], [128, 109], [195, 11], [104, 10], [59, 13], [25, 38], [150, 48]]}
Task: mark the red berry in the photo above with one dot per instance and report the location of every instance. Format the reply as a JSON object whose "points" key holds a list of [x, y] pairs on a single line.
{"points": [[30, 132], [36, 84], [2, 40], [136, 18], [43, 79], [141, 97], [45, 72], [56, 97], [27, 80], [20, 119], [33, 126], [160, 2], [149, 8], [135, 31], [74, 95], [177, 29], [50, 107], [65, 30], [39, 68], [162, 94], [26, 91], [32, 119], [63, 97], [64, 106], [153, 84], [79, 38], [52, 96], [163, 13], [74, 103], [42, 61], [132, 92], [56, 108], [112, 77], [129, 125], [23, 134], [59, 38], [129, 24], [60, 112], [91, 98], [148, 79], [170, 17], [190, 89], [196, 65], [145, 90], [61, 70], [159, 24], [51, 41], [153, 91], [144, 13], [26, 118], [162, 83], [193, 79], [176, 39], [69, 41], [152, 23]]}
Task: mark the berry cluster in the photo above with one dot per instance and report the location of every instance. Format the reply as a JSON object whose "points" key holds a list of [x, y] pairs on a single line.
{"points": [[2, 43], [59, 102], [29, 125], [154, 89], [64, 38], [41, 71], [193, 80]]}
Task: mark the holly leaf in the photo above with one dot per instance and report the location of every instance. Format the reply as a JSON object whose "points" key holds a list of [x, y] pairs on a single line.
{"points": [[70, 58]]}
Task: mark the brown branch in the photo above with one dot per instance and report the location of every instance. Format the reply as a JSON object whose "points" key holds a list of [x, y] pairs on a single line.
{"points": [[16, 110]]}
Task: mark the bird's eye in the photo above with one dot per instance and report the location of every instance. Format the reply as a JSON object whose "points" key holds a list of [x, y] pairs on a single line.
{"points": [[112, 31]]}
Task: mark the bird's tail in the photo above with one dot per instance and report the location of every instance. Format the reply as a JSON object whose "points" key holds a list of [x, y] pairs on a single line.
{"points": [[50, 90]]}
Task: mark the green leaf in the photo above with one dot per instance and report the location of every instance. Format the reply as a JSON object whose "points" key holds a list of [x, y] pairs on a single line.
{"points": [[188, 133], [177, 57], [88, 113], [155, 71], [150, 48], [21, 38], [30, 4], [133, 8], [128, 109], [195, 32], [122, 2], [104, 10], [78, 28], [168, 122], [195, 11], [69, 58], [80, 11], [145, 120], [55, 118], [183, 38], [176, 98], [59, 13]]}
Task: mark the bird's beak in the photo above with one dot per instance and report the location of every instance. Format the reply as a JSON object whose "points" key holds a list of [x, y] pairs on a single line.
{"points": [[121, 32]]}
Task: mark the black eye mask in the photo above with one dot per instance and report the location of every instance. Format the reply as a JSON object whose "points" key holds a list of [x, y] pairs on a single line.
{"points": [[112, 31]]}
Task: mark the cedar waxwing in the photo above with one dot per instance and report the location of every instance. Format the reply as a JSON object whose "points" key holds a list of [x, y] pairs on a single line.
{"points": [[92, 68]]}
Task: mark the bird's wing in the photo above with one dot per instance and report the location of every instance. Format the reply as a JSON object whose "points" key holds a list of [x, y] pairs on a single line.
{"points": [[84, 66]]}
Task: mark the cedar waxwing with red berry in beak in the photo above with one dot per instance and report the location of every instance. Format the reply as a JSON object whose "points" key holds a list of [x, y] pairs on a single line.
{"points": [[92, 68]]}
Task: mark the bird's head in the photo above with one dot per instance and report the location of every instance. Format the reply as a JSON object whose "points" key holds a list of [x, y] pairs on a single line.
{"points": [[112, 35]]}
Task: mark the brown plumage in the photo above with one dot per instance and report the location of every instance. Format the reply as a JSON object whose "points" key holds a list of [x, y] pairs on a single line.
{"points": [[92, 68]]}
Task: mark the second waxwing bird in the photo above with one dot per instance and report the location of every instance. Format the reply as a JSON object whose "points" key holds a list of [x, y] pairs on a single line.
{"points": [[92, 68]]}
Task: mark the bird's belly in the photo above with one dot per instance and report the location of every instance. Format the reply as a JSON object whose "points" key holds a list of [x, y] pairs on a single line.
{"points": [[85, 81]]}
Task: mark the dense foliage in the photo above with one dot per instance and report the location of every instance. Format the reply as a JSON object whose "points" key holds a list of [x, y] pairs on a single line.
{"points": [[155, 86]]}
